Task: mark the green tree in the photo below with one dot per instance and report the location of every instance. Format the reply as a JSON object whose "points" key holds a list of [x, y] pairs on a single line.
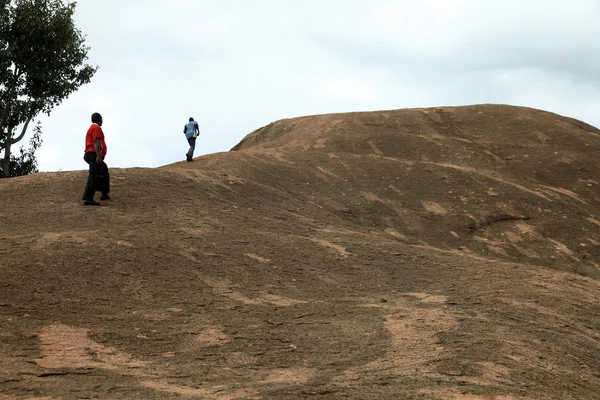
{"points": [[42, 61], [26, 163]]}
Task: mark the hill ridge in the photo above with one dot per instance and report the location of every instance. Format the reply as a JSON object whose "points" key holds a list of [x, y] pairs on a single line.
{"points": [[421, 253]]}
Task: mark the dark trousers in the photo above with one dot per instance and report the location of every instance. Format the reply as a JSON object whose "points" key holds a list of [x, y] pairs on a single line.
{"points": [[192, 142], [98, 178]]}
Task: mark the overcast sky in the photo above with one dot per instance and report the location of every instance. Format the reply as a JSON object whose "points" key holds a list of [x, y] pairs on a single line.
{"points": [[237, 65]]}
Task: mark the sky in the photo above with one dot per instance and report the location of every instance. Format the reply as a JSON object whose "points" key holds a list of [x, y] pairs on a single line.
{"points": [[237, 65]]}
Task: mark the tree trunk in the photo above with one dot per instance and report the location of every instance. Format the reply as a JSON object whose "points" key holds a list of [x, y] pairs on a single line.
{"points": [[9, 142], [5, 114], [6, 160]]}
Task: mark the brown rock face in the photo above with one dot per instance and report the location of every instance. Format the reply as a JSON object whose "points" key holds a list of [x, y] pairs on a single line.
{"points": [[444, 253]]}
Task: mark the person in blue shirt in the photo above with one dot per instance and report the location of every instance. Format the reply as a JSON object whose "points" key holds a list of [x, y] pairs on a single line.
{"points": [[191, 132]]}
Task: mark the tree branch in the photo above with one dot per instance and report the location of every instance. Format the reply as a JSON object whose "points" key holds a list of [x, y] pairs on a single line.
{"points": [[23, 131]]}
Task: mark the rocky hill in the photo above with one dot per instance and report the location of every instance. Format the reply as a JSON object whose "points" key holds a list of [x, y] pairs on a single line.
{"points": [[444, 253]]}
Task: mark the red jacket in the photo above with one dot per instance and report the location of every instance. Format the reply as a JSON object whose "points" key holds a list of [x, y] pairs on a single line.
{"points": [[95, 132]]}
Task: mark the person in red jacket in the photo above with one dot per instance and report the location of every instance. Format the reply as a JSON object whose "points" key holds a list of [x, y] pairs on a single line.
{"points": [[95, 152]]}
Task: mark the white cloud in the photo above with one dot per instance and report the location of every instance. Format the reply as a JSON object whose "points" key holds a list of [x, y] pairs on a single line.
{"points": [[349, 89]]}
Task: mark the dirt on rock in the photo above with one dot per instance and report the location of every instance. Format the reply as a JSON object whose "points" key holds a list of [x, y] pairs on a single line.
{"points": [[443, 253]]}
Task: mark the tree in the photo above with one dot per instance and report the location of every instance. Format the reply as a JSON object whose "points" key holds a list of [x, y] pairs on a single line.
{"points": [[26, 163], [42, 61]]}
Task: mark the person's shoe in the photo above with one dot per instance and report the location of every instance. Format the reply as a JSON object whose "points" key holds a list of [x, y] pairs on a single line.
{"points": [[188, 158], [90, 203], [105, 196]]}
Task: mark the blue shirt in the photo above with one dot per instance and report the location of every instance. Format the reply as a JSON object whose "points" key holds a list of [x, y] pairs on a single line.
{"points": [[190, 129]]}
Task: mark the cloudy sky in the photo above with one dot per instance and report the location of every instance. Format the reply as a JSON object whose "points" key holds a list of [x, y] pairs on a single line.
{"points": [[237, 65]]}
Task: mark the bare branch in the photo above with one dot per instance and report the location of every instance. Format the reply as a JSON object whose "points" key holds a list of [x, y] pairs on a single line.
{"points": [[23, 131]]}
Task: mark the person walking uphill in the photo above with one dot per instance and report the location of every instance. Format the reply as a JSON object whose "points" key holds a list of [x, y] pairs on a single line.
{"points": [[191, 131], [95, 152]]}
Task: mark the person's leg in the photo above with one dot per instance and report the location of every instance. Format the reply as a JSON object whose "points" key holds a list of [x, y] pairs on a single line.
{"points": [[88, 183], [94, 171], [105, 182], [190, 153], [89, 186]]}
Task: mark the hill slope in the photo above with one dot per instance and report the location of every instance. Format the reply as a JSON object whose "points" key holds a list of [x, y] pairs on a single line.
{"points": [[425, 254]]}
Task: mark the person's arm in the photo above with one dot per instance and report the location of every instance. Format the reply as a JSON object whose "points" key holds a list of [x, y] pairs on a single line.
{"points": [[98, 148], [197, 129]]}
